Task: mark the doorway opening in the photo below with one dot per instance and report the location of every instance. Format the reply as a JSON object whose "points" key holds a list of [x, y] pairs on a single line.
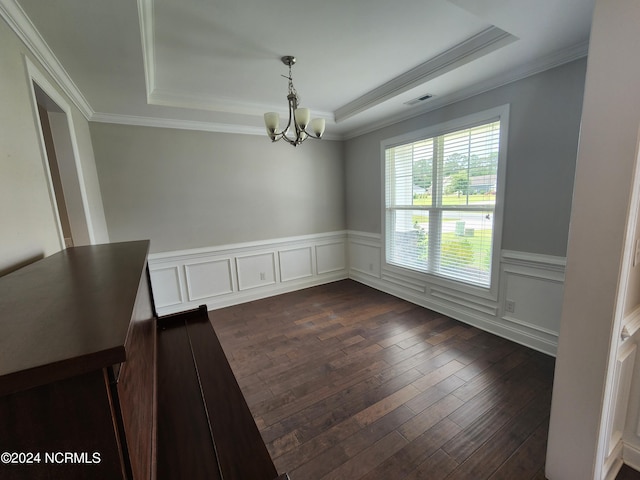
{"points": [[55, 135], [62, 164]]}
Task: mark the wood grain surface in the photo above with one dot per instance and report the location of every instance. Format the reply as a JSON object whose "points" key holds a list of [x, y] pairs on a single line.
{"points": [[345, 381], [68, 314]]}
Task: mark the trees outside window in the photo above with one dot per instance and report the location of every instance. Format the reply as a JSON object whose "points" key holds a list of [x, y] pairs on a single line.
{"points": [[440, 202]]}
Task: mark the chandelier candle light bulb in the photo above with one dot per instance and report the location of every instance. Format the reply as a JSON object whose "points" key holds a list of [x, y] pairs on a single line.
{"points": [[272, 122], [300, 117]]}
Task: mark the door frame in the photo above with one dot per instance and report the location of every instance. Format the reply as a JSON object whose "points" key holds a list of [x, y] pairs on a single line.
{"points": [[82, 224]]}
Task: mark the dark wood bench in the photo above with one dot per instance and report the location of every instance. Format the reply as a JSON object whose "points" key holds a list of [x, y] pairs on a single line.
{"points": [[205, 428]]}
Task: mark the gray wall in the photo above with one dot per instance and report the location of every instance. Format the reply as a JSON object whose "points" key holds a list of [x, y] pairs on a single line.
{"points": [[28, 223], [188, 189], [543, 137], [27, 215], [196, 189]]}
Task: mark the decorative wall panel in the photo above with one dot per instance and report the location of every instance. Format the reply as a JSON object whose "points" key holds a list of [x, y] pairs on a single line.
{"points": [[296, 264], [167, 289], [208, 279], [222, 276]]}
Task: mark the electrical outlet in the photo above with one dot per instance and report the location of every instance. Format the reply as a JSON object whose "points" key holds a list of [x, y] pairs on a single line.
{"points": [[263, 276], [636, 256], [510, 306]]}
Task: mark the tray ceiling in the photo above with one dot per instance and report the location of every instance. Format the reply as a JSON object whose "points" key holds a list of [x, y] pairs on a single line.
{"points": [[215, 64]]}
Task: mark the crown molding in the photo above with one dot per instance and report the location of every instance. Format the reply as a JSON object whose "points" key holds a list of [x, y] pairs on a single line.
{"points": [[186, 125], [474, 47], [22, 26], [219, 104], [176, 124], [169, 98], [553, 60], [147, 37]]}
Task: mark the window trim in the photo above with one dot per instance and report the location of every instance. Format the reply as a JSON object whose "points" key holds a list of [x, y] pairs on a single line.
{"points": [[400, 274]]}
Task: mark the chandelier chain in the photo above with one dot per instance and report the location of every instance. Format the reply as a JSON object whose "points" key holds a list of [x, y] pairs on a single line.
{"points": [[292, 89]]}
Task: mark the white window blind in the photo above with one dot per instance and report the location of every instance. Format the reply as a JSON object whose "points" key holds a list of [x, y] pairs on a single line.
{"points": [[440, 200]]}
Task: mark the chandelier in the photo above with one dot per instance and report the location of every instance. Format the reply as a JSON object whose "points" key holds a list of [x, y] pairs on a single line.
{"points": [[299, 117]]}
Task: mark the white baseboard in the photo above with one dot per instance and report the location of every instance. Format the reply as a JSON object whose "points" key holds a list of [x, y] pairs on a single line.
{"points": [[631, 455], [613, 463]]}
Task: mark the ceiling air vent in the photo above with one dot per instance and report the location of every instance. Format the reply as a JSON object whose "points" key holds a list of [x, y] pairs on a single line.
{"points": [[415, 101]]}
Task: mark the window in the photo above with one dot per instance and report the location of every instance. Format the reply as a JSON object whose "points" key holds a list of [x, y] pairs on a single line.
{"points": [[441, 198]]}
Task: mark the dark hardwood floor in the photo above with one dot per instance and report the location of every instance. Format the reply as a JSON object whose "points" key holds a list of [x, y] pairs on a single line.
{"points": [[628, 473], [346, 382]]}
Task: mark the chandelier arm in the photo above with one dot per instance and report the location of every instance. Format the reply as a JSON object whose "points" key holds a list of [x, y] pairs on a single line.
{"points": [[289, 140], [298, 138], [312, 135], [293, 141], [292, 100], [286, 128], [282, 136]]}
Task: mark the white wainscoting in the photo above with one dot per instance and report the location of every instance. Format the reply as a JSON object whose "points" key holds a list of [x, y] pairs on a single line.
{"points": [[531, 292], [526, 308], [533, 284], [626, 406], [617, 421], [232, 274]]}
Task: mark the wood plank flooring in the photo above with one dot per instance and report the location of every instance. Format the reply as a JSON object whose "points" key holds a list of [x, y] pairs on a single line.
{"points": [[628, 473], [346, 382]]}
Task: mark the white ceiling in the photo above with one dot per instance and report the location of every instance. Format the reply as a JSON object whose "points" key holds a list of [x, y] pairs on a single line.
{"points": [[215, 64]]}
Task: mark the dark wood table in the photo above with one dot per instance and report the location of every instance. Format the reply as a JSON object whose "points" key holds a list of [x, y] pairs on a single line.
{"points": [[80, 359], [77, 379]]}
